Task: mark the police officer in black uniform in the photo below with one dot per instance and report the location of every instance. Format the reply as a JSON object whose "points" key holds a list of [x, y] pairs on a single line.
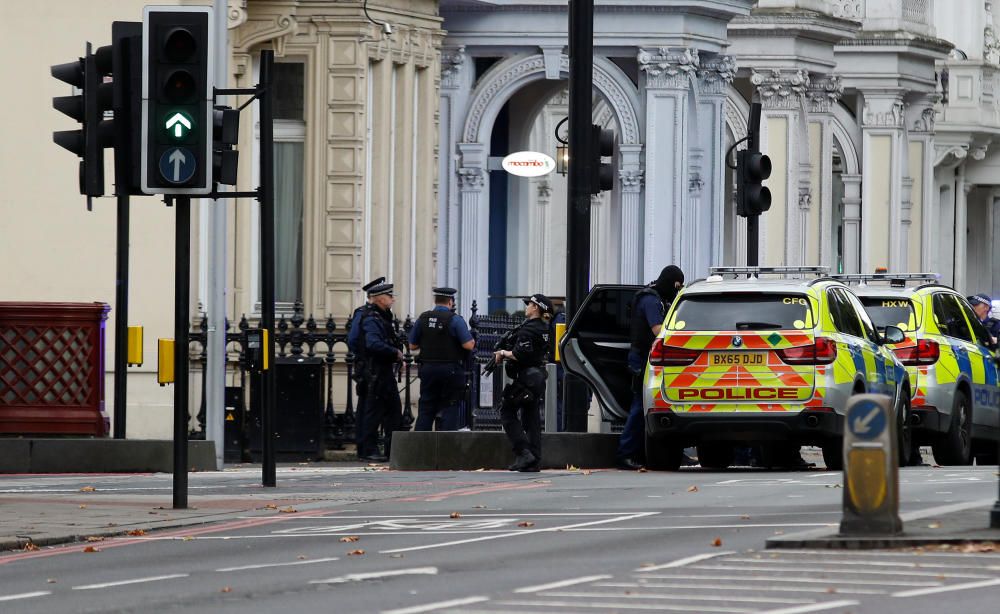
{"points": [[354, 344], [525, 365], [381, 354], [444, 340]]}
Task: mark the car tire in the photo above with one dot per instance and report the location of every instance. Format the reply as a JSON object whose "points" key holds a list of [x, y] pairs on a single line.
{"points": [[663, 454], [833, 454], [904, 431], [715, 455], [955, 446]]}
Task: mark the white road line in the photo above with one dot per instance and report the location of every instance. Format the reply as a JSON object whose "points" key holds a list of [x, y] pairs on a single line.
{"points": [[854, 563], [681, 527], [87, 587], [658, 607], [945, 589], [867, 572], [819, 607], [24, 595], [517, 533], [440, 605], [473, 515], [820, 581], [560, 584], [946, 509], [685, 561], [923, 556], [289, 564], [742, 587], [631, 596], [377, 575]]}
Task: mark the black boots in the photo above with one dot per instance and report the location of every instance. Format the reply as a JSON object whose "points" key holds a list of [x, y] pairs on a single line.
{"points": [[524, 461]]}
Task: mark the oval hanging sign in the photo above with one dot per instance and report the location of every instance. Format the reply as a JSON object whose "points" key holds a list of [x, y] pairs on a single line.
{"points": [[528, 164]]}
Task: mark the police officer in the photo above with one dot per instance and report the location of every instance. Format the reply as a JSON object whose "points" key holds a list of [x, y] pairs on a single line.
{"points": [[443, 338], [982, 304], [525, 365], [649, 307], [355, 345], [381, 353]]}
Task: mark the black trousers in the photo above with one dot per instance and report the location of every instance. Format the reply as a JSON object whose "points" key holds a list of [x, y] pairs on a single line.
{"points": [[442, 387], [381, 408], [522, 422]]}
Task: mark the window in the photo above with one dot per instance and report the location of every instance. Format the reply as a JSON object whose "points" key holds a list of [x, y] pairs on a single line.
{"points": [[949, 317], [289, 175], [845, 318], [862, 315], [979, 331], [890, 311], [743, 311]]}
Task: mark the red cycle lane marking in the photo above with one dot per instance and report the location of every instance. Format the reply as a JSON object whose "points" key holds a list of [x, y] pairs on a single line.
{"points": [[464, 492]]}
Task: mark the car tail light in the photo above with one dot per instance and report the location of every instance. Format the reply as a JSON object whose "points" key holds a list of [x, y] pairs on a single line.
{"points": [[666, 356], [925, 352], [822, 352]]}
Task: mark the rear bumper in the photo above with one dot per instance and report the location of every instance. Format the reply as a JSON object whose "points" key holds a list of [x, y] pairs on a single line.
{"points": [[927, 419], [805, 427]]}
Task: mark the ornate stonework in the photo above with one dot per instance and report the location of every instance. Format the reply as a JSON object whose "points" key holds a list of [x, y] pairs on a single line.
{"points": [[925, 123], [848, 9], [668, 69], [822, 94], [715, 75], [452, 60], [884, 114], [780, 89], [470, 178], [630, 181]]}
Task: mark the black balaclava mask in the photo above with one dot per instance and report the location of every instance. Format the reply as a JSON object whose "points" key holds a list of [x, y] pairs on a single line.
{"points": [[664, 284]]}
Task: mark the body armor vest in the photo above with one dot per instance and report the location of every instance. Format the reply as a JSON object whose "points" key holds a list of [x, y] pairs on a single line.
{"points": [[436, 342]]}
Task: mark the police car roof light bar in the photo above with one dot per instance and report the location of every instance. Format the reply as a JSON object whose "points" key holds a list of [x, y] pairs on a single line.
{"points": [[769, 270], [894, 279]]}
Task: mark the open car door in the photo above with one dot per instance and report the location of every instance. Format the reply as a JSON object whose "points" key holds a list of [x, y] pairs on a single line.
{"points": [[596, 344]]}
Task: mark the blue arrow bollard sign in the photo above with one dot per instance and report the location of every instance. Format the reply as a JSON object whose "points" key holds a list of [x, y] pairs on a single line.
{"points": [[866, 420], [177, 165]]}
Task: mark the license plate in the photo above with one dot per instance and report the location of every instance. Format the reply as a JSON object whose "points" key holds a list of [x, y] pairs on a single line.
{"points": [[746, 359]]}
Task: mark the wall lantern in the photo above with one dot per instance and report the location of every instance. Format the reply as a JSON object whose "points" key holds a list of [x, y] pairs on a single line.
{"points": [[562, 150]]}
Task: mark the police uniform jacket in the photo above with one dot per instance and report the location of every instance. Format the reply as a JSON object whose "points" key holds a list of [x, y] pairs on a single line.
{"points": [[531, 346], [380, 337], [440, 332]]}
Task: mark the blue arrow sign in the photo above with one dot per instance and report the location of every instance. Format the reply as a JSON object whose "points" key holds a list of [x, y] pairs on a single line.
{"points": [[177, 165], [866, 420]]}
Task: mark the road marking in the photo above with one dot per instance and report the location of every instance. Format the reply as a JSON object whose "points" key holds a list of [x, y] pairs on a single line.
{"points": [[659, 607], [560, 584], [480, 490], [440, 605], [678, 527], [889, 554], [518, 533], [741, 587], [631, 596], [822, 581], [945, 589], [819, 607], [88, 587], [945, 509], [289, 564], [853, 563], [375, 575], [873, 572], [24, 595], [686, 561]]}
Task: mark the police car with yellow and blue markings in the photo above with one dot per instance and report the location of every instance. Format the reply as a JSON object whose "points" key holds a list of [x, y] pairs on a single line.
{"points": [[950, 359], [745, 360]]}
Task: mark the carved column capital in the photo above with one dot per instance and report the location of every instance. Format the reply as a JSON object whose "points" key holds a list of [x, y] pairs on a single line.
{"points": [[823, 93], [715, 74], [452, 60], [668, 69], [630, 180], [879, 112], [781, 89], [470, 178]]}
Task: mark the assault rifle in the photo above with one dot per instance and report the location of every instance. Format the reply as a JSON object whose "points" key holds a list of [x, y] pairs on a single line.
{"points": [[505, 343]]}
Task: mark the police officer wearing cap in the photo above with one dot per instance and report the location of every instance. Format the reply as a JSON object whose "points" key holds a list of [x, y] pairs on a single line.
{"points": [[355, 345], [982, 304], [381, 354], [525, 365], [444, 340]]}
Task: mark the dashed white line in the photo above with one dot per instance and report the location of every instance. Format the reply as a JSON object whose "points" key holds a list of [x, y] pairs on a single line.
{"points": [[24, 595], [774, 579], [855, 563], [440, 605], [288, 564], [378, 575], [944, 589], [560, 584], [678, 597], [945, 509], [742, 587], [867, 572], [818, 607], [88, 587], [685, 561], [614, 606]]}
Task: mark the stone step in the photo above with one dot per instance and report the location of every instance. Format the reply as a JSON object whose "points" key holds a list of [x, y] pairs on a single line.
{"points": [[84, 455]]}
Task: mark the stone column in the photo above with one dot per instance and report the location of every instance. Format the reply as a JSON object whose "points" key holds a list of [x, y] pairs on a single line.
{"points": [[995, 266], [882, 124], [456, 82], [715, 74], [474, 263], [817, 240], [962, 190], [630, 182], [852, 223], [666, 78], [923, 212], [785, 138]]}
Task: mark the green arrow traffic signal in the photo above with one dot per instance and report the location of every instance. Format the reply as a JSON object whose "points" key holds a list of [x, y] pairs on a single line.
{"points": [[178, 125]]}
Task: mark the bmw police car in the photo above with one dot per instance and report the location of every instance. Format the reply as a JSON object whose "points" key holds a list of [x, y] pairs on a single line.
{"points": [[950, 360], [739, 361]]}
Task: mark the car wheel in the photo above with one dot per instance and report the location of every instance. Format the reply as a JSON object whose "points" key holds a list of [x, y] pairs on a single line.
{"points": [[663, 454], [955, 446], [715, 455], [904, 432], [833, 454]]}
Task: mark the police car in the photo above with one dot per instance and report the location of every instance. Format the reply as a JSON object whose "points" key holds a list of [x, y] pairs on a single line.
{"points": [[740, 361], [950, 360]]}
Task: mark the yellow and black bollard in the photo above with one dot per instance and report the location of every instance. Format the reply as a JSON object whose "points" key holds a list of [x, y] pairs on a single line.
{"points": [[165, 361], [871, 468]]}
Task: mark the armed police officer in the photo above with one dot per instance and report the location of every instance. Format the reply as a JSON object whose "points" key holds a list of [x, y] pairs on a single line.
{"points": [[444, 341], [649, 306], [380, 355], [525, 365], [982, 304], [354, 345]]}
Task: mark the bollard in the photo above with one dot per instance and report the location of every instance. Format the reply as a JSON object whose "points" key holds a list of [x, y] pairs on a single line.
{"points": [[551, 399], [871, 468]]}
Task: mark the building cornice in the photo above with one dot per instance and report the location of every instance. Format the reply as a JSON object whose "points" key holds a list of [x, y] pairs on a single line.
{"points": [[894, 40], [769, 23]]}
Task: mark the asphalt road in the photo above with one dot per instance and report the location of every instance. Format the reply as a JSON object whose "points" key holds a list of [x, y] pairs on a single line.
{"points": [[558, 541]]}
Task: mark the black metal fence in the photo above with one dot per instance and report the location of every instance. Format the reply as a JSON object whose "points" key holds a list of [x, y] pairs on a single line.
{"points": [[300, 337]]}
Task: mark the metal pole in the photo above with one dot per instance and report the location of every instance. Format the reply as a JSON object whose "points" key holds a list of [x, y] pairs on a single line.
{"points": [[215, 360], [581, 77], [753, 221], [268, 470], [182, 291], [995, 512], [121, 305]]}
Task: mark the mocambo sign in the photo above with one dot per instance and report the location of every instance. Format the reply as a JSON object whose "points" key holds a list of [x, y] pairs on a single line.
{"points": [[528, 164]]}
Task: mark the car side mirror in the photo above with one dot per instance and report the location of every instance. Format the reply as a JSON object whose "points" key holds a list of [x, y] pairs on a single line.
{"points": [[893, 334]]}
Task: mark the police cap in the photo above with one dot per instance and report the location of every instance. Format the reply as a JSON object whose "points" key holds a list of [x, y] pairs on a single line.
{"points": [[380, 290], [980, 299], [445, 292], [368, 286], [541, 300]]}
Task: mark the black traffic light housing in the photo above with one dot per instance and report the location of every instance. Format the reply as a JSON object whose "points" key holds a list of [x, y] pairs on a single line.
{"points": [[126, 76], [87, 107], [177, 90], [602, 145], [752, 168], [226, 130]]}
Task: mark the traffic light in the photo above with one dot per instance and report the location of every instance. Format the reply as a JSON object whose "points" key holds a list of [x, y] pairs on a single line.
{"points": [[752, 168], [177, 92], [87, 107], [602, 145], [126, 77], [226, 129]]}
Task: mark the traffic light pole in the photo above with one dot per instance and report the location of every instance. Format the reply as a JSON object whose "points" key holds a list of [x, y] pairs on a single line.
{"points": [[121, 310], [182, 291], [581, 77], [268, 469]]}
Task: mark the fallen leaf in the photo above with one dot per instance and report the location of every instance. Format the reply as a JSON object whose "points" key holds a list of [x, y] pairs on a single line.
{"points": [[572, 468], [187, 538], [88, 489], [301, 557], [91, 549], [526, 523], [934, 525], [479, 507], [717, 542], [350, 538], [51, 580], [29, 547], [455, 515], [586, 472], [745, 517], [692, 489], [396, 556], [94, 538], [226, 589], [136, 532], [481, 469], [643, 470], [82, 506], [355, 552], [270, 506], [288, 510], [831, 590]]}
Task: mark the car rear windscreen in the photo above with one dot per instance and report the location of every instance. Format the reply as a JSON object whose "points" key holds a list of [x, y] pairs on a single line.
{"points": [[890, 311], [743, 311]]}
